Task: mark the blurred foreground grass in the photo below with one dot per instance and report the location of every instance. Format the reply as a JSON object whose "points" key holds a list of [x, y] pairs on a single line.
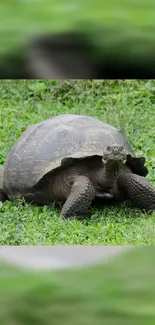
{"points": [[129, 105], [119, 292]]}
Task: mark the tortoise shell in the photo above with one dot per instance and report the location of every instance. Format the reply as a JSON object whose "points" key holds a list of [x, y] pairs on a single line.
{"points": [[45, 146]]}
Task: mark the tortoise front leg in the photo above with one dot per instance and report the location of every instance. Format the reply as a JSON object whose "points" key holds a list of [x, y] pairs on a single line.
{"points": [[137, 189], [80, 198]]}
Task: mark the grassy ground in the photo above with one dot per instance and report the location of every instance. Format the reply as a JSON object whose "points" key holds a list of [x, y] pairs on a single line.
{"points": [[129, 105], [121, 291]]}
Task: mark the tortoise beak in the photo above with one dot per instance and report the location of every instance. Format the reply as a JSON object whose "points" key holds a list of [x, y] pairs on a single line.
{"points": [[105, 161]]}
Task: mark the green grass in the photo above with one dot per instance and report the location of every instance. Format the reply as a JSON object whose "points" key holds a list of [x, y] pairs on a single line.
{"points": [[129, 105], [120, 292]]}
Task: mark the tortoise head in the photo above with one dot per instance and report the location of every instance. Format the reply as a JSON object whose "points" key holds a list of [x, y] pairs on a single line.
{"points": [[114, 152]]}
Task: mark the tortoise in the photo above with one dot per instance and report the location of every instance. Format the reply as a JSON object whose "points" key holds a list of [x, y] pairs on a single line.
{"points": [[73, 159]]}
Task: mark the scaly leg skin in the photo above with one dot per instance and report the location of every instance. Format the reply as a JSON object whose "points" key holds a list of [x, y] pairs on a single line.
{"points": [[80, 198], [137, 189]]}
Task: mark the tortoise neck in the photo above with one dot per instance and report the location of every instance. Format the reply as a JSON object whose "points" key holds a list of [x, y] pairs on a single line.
{"points": [[109, 174], [112, 167]]}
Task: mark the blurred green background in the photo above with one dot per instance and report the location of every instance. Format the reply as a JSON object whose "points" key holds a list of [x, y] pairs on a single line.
{"points": [[122, 28], [118, 292]]}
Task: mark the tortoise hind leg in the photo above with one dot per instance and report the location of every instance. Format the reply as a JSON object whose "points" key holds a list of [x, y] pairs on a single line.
{"points": [[137, 189], [80, 198], [3, 196]]}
